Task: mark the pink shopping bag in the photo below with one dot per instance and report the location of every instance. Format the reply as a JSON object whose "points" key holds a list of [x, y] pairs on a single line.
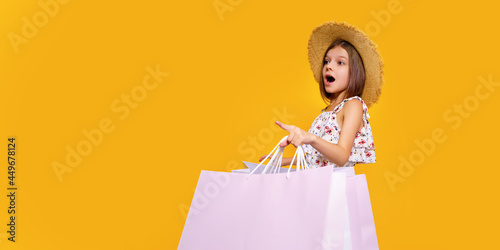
{"points": [[267, 211]]}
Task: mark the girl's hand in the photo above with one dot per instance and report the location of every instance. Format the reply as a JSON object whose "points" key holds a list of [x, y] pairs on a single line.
{"points": [[297, 136], [264, 157]]}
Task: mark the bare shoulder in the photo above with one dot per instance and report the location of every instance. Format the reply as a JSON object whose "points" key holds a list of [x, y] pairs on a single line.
{"points": [[353, 107], [351, 112]]}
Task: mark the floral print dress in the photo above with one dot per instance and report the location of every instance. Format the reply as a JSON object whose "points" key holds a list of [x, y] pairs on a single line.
{"points": [[326, 127]]}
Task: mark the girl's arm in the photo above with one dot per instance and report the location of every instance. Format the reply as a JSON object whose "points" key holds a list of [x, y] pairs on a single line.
{"points": [[336, 153]]}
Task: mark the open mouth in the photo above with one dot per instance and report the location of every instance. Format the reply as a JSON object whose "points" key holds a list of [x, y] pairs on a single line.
{"points": [[330, 79]]}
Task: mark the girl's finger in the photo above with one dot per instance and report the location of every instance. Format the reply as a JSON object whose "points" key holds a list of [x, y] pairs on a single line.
{"points": [[283, 126], [262, 157], [291, 137]]}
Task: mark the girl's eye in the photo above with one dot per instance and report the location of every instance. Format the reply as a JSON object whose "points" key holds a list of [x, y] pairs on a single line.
{"points": [[341, 63], [325, 62]]}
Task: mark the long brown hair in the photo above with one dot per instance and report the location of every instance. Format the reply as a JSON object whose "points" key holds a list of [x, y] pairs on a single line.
{"points": [[356, 72]]}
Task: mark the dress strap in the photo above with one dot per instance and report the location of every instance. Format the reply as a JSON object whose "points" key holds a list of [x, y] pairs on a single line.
{"points": [[341, 105]]}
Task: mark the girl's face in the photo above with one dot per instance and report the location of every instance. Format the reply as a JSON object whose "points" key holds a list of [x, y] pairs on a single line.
{"points": [[336, 70]]}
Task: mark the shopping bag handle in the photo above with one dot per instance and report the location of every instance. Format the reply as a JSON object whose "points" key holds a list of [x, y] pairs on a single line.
{"points": [[276, 159]]}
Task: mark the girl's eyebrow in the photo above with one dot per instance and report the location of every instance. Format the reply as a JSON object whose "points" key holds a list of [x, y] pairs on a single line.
{"points": [[337, 56]]}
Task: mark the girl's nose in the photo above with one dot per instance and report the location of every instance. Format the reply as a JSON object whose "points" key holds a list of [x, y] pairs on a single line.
{"points": [[329, 66]]}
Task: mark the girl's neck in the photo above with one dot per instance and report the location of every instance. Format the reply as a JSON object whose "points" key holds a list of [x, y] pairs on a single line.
{"points": [[336, 99]]}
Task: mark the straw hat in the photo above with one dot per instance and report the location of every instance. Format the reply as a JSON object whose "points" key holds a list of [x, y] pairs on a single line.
{"points": [[325, 34]]}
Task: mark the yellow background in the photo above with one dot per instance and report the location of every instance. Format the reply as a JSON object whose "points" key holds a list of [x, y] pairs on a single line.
{"points": [[230, 76]]}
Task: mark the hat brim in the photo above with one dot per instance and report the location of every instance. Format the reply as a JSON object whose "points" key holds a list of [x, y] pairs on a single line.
{"points": [[325, 34]]}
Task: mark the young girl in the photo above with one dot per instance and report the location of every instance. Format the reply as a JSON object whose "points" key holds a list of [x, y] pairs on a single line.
{"points": [[348, 68]]}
